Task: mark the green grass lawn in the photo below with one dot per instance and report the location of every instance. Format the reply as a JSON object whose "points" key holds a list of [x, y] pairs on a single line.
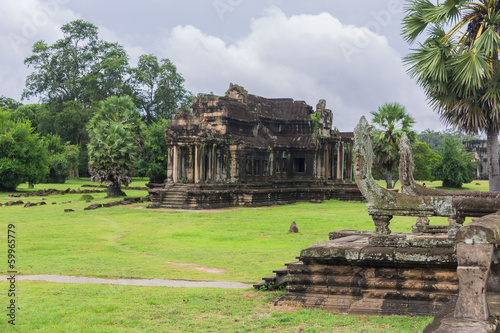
{"points": [[476, 185], [243, 244], [138, 243], [51, 307]]}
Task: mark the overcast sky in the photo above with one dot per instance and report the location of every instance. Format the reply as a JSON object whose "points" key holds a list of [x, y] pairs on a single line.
{"points": [[348, 54]]}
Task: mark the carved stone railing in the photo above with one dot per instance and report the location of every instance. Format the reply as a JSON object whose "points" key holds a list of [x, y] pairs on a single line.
{"points": [[383, 204]]}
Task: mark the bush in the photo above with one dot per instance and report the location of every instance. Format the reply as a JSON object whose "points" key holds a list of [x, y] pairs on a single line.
{"points": [[23, 157], [456, 167], [62, 159], [153, 160], [87, 197]]}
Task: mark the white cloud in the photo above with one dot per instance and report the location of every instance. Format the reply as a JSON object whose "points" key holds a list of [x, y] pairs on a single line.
{"points": [[22, 24], [306, 57]]}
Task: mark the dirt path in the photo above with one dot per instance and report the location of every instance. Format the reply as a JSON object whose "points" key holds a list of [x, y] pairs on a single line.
{"points": [[132, 282]]}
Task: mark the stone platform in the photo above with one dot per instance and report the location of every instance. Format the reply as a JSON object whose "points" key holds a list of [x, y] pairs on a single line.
{"points": [[213, 196], [358, 273]]}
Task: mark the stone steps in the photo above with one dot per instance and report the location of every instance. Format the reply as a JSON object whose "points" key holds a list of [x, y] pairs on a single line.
{"points": [[175, 196], [273, 281]]}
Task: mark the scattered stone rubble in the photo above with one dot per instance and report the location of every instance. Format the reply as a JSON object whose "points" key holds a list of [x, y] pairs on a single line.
{"points": [[125, 201], [12, 203], [30, 204], [42, 193]]}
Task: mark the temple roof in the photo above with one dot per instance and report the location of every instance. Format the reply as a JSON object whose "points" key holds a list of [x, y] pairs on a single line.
{"points": [[253, 120]]}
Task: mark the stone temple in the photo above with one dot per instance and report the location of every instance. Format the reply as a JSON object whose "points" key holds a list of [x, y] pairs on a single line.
{"points": [[245, 150]]}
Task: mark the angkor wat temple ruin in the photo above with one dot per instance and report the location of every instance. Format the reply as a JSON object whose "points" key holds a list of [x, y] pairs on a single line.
{"points": [[480, 150], [246, 150]]}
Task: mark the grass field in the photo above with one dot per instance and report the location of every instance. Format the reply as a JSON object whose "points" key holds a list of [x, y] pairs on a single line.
{"points": [[242, 244]]}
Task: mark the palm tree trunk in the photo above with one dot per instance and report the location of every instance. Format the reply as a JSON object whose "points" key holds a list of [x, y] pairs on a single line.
{"points": [[115, 190], [493, 168], [388, 179]]}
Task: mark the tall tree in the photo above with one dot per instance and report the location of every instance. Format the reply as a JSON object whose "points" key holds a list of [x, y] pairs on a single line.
{"points": [[458, 68], [115, 131], [158, 89], [391, 121], [79, 67]]}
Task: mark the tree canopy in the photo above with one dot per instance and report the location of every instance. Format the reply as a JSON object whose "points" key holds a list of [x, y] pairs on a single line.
{"points": [[457, 65], [80, 67], [158, 89]]}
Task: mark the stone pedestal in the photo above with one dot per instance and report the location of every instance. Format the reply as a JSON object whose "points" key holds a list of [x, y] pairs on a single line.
{"points": [[361, 273]]}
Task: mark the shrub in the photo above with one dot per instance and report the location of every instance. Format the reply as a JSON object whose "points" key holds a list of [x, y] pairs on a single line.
{"points": [[456, 167], [23, 157]]}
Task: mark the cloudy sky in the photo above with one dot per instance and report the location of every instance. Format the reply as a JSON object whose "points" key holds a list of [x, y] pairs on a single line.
{"points": [[321, 49]]}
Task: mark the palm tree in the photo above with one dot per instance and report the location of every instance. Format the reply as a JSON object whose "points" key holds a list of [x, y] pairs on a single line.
{"points": [[392, 121], [115, 133], [458, 68]]}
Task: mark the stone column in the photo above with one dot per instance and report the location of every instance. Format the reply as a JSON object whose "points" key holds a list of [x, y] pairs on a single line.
{"points": [[340, 162], [324, 167], [196, 165], [175, 165], [190, 171], [233, 164], [333, 165], [202, 153], [349, 163], [170, 164], [213, 165]]}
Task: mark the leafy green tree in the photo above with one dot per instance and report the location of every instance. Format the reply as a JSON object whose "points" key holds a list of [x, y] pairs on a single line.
{"points": [[158, 88], [63, 158], [79, 67], [68, 122], [23, 157], [391, 121], [115, 131], [153, 161], [456, 167], [458, 68], [423, 158]]}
